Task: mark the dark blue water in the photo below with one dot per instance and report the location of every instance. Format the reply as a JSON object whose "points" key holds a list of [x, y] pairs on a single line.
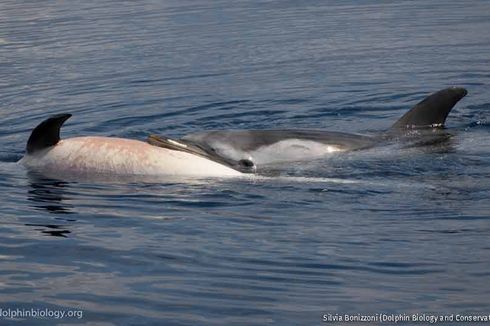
{"points": [[388, 230]]}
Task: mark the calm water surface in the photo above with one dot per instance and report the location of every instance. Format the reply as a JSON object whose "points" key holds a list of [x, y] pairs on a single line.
{"points": [[389, 230]]}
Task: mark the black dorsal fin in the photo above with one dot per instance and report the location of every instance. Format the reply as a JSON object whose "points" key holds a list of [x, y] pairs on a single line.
{"points": [[433, 110], [47, 133]]}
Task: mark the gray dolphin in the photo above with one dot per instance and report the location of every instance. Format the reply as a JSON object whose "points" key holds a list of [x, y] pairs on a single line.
{"points": [[243, 150]]}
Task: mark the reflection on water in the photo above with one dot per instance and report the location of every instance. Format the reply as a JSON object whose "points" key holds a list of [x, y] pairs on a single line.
{"points": [[51, 229], [48, 194]]}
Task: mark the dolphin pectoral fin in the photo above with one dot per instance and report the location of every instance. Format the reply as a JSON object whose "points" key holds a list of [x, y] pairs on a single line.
{"points": [[432, 111], [47, 133], [244, 165]]}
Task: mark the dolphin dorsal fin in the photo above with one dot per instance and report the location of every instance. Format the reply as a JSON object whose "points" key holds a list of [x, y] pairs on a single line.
{"points": [[47, 133], [432, 111]]}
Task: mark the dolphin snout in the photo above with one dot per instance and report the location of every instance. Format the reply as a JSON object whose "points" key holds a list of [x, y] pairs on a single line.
{"points": [[460, 92]]}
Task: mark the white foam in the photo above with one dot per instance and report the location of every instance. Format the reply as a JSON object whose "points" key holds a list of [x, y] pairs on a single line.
{"points": [[306, 179]]}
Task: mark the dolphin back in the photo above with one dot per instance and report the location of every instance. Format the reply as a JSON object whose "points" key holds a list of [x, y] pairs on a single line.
{"points": [[432, 111]]}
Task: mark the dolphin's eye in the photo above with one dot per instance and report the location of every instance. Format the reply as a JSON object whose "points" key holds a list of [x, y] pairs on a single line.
{"points": [[246, 163]]}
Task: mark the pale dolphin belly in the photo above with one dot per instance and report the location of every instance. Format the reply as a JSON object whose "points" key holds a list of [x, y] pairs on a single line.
{"points": [[291, 150], [121, 156], [276, 146]]}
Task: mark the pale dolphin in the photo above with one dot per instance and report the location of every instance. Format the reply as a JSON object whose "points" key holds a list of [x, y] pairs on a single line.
{"points": [[45, 152]]}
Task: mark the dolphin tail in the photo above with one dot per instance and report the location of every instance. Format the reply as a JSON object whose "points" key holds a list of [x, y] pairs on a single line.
{"points": [[432, 111], [47, 133]]}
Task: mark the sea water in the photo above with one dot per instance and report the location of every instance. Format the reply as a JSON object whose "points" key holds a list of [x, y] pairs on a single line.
{"points": [[387, 231]]}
